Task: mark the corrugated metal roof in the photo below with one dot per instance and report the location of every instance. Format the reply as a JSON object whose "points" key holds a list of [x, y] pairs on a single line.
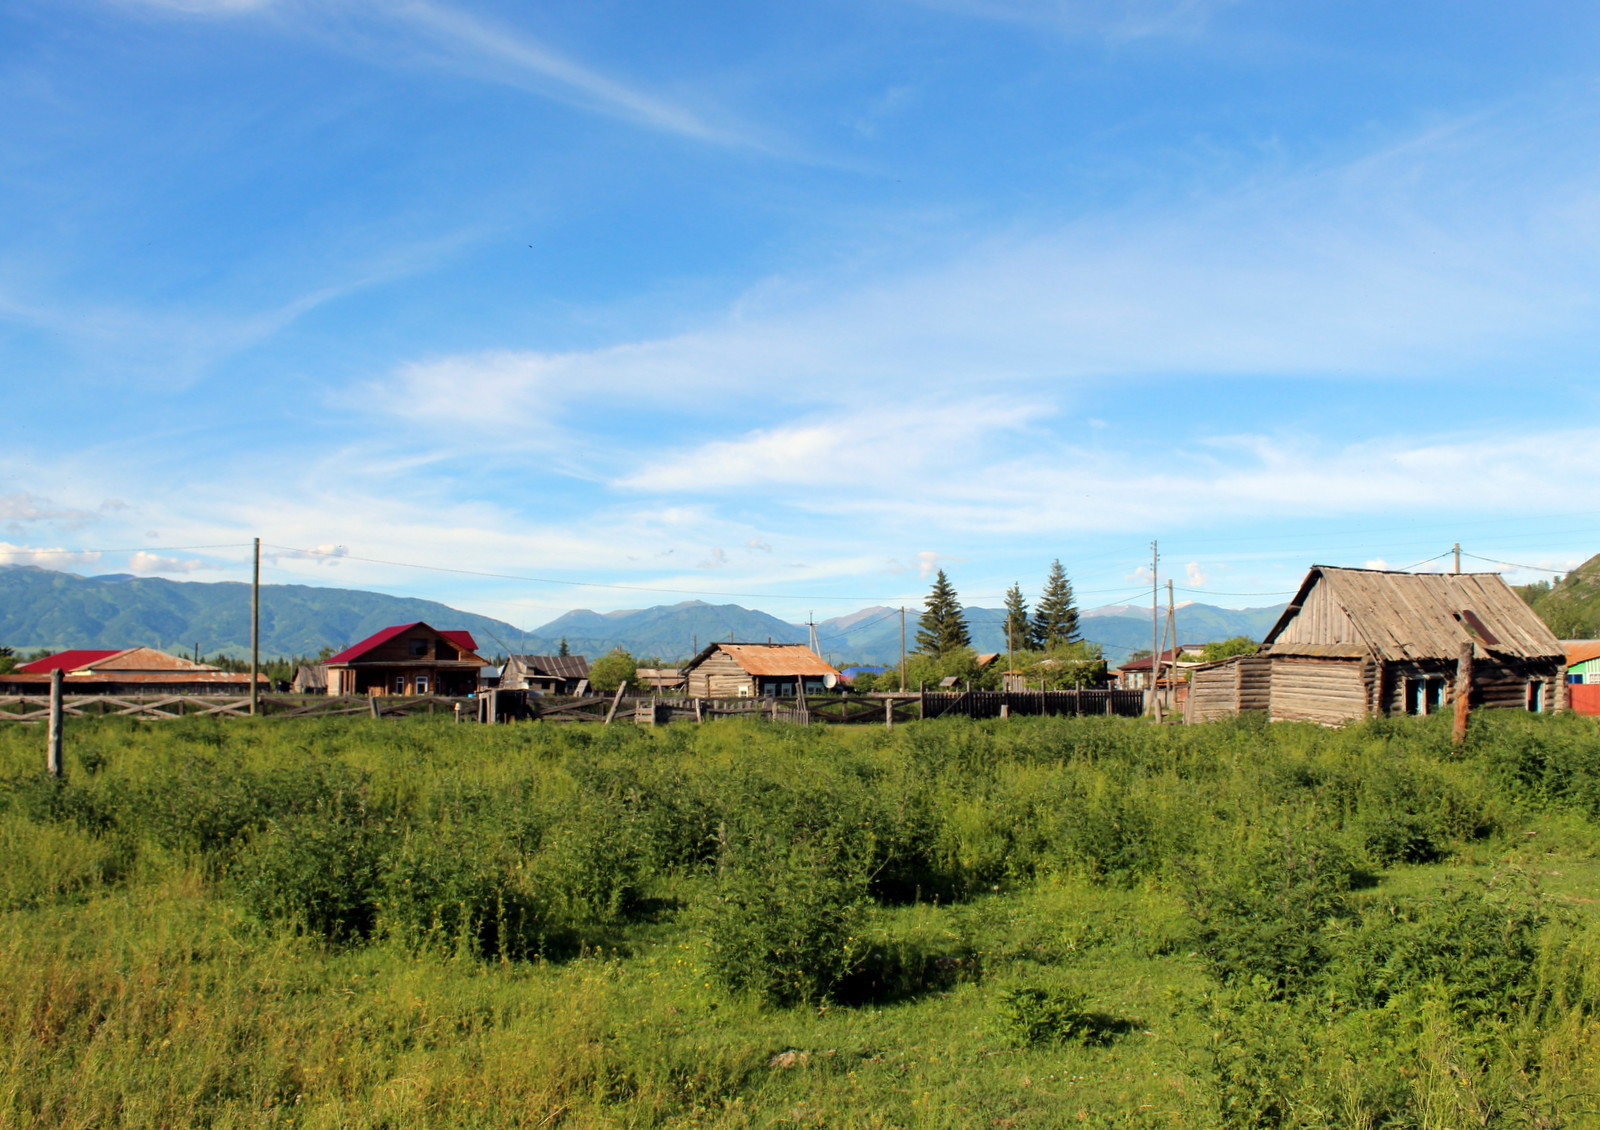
{"points": [[1403, 616], [66, 661], [770, 660], [356, 651], [148, 659], [1581, 651]]}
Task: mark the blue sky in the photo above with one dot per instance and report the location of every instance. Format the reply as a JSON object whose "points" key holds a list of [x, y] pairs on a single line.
{"points": [[621, 303]]}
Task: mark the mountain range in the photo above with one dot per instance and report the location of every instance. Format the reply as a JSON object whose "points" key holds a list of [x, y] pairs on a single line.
{"points": [[40, 608]]}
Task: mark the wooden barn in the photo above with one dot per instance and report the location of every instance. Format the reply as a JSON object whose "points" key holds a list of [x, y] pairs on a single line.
{"points": [[742, 670], [544, 674], [1358, 643], [407, 659]]}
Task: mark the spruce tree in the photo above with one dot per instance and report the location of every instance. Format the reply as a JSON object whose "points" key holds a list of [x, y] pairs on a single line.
{"points": [[1019, 631], [942, 629], [565, 651], [1055, 619]]}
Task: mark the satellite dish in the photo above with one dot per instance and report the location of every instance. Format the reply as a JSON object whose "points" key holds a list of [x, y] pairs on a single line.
{"points": [[830, 680]]}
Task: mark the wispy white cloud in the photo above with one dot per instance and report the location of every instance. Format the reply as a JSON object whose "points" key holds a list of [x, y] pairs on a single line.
{"points": [[155, 564], [45, 558]]}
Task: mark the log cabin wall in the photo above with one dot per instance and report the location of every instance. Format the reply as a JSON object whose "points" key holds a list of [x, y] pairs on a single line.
{"points": [[1255, 683], [1318, 690], [720, 676], [1213, 692]]}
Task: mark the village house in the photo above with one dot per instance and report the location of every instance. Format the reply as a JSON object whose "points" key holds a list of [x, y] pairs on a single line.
{"points": [[1358, 643], [407, 659], [1583, 675], [742, 670], [134, 670], [544, 674]]}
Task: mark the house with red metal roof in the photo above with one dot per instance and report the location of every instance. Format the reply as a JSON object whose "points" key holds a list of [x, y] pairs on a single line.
{"points": [[407, 659], [133, 670]]}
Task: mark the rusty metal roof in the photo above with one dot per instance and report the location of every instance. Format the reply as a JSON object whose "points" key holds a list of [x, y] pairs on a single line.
{"points": [[770, 660], [1407, 616], [1581, 651]]}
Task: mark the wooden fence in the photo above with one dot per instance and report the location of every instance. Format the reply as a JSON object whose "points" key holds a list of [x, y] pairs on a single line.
{"points": [[517, 706]]}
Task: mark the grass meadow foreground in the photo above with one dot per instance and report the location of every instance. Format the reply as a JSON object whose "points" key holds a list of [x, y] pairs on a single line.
{"points": [[1026, 923]]}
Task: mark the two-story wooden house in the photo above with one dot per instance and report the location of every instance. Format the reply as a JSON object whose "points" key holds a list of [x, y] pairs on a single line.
{"points": [[408, 659]]}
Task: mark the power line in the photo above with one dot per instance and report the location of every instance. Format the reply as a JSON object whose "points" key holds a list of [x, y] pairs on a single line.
{"points": [[1514, 565]]}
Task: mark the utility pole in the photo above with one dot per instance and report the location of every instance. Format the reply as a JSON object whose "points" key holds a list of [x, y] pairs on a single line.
{"points": [[811, 623], [255, 632], [1458, 558], [1155, 630], [902, 649]]}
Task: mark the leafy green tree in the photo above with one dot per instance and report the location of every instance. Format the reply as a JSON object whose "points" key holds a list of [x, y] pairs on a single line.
{"points": [[610, 671], [8, 660], [1055, 619], [942, 629], [1222, 649], [1064, 667], [1019, 631]]}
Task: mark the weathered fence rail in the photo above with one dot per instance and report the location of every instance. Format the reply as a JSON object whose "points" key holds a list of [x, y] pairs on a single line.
{"points": [[517, 706]]}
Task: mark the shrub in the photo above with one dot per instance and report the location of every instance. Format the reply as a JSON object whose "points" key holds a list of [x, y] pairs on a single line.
{"points": [[784, 923], [318, 872], [1263, 918]]}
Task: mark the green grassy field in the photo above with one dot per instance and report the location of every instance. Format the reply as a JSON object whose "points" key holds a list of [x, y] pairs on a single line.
{"points": [[1027, 923]]}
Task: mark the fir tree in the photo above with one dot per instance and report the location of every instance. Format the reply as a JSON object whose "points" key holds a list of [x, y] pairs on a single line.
{"points": [[942, 628], [564, 650], [1019, 631], [1055, 619]]}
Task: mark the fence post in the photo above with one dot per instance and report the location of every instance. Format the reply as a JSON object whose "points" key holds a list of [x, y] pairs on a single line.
{"points": [[52, 755], [372, 705], [1458, 734], [888, 714], [493, 698], [612, 713]]}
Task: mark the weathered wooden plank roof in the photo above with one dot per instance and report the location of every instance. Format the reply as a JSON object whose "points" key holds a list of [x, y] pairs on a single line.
{"points": [[1407, 616], [554, 666]]}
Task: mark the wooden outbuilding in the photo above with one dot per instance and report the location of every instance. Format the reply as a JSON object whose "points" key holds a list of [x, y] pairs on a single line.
{"points": [[1359, 643], [743, 670], [544, 674], [408, 659], [1583, 675]]}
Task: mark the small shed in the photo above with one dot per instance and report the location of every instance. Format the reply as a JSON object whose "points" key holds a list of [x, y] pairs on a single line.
{"points": [[1357, 643], [544, 674], [742, 670], [310, 678]]}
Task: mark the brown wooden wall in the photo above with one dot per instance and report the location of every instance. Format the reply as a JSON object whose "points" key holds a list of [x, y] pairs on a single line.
{"points": [[1319, 690], [720, 676]]}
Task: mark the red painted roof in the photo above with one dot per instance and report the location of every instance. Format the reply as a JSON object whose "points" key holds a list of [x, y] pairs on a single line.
{"points": [[351, 654], [66, 661]]}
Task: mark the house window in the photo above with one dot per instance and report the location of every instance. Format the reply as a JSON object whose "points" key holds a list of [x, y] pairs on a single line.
{"points": [[399, 684], [1536, 696], [1432, 695], [1414, 697], [422, 684]]}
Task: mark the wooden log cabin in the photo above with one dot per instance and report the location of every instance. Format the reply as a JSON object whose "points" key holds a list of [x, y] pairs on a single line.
{"points": [[1359, 643], [743, 670], [408, 659]]}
